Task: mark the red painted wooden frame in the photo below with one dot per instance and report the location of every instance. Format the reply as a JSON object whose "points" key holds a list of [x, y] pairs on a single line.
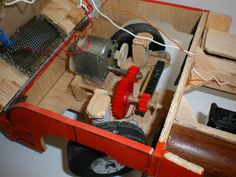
{"points": [[28, 124]]}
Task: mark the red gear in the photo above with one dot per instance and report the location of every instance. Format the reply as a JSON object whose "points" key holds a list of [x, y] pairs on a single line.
{"points": [[132, 72], [143, 102], [121, 103], [123, 90]]}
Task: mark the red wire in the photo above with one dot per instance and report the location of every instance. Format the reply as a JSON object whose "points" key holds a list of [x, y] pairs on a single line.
{"points": [[90, 10], [89, 6]]}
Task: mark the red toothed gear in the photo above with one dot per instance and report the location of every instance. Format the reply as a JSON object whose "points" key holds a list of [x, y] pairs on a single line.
{"points": [[132, 72], [121, 103], [143, 102], [124, 89]]}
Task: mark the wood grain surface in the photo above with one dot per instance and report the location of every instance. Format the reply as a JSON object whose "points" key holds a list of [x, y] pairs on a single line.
{"points": [[216, 156]]}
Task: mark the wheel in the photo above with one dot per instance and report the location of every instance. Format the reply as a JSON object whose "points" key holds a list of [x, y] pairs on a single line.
{"points": [[87, 162], [123, 37]]}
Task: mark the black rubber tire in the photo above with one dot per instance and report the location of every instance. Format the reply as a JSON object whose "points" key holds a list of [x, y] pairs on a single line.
{"points": [[123, 37], [80, 157]]}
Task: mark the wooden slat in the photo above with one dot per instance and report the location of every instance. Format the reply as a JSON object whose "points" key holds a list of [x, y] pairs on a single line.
{"points": [[17, 15], [10, 82], [61, 97], [63, 13], [221, 44], [183, 20], [184, 78], [7, 90], [208, 67], [219, 21], [43, 85]]}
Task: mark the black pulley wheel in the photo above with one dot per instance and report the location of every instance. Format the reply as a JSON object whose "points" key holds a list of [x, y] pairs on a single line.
{"points": [[87, 162], [124, 37]]}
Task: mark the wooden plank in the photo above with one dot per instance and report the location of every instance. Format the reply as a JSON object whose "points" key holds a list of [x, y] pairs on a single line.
{"points": [[10, 82], [184, 114], [10, 73], [185, 117], [63, 13], [61, 98], [219, 21], [184, 20], [207, 69], [184, 78], [103, 28], [19, 14], [43, 85], [7, 90], [221, 44]]}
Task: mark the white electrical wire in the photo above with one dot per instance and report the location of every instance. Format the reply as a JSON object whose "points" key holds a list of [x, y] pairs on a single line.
{"points": [[17, 1], [137, 36], [82, 5], [212, 78]]}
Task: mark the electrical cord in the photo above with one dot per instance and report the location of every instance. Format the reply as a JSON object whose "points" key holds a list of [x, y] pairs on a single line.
{"points": [[147, 21], [17, 1], [178, 46], [212, 78]]}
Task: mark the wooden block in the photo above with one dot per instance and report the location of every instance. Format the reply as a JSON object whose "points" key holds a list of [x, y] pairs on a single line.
{"points": [[59, 13], [219, 21], [138, 47], [99, 104], [76, 15], [221, 44], [78, 92]]}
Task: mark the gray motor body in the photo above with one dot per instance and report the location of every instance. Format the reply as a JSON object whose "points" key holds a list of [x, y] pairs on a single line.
{"points": [[93, 63]]}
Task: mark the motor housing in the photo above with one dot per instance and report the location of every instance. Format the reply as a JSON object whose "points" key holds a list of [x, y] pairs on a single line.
{"points": [[93, 62]]}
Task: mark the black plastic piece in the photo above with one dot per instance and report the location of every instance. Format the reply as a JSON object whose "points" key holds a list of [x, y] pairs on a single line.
{"points": [[155, 77], [222, 119], [80, 157], [124, 37]]}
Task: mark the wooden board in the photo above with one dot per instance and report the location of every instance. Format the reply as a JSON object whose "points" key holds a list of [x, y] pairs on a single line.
{"points": [[60, 98], [63, 13], [184, 78], [7, 90], [218, 21], [221, 43], [17, 15], [10, 82], [207, 70], [185, 117], [184, 20], [43, 85]]}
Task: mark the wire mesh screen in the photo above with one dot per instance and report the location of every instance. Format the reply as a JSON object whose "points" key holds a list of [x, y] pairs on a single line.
{"points": [[33, 44]]}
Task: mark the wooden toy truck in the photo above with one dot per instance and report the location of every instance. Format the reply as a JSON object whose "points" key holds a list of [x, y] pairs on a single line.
{"points": [[32, 106]]}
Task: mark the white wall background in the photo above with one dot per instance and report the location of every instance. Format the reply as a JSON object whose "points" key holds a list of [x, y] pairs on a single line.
{"points": [[19, 161], [226, 7]]}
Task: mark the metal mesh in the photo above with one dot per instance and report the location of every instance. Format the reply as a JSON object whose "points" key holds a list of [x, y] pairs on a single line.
{"points": [[33, 44]]}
